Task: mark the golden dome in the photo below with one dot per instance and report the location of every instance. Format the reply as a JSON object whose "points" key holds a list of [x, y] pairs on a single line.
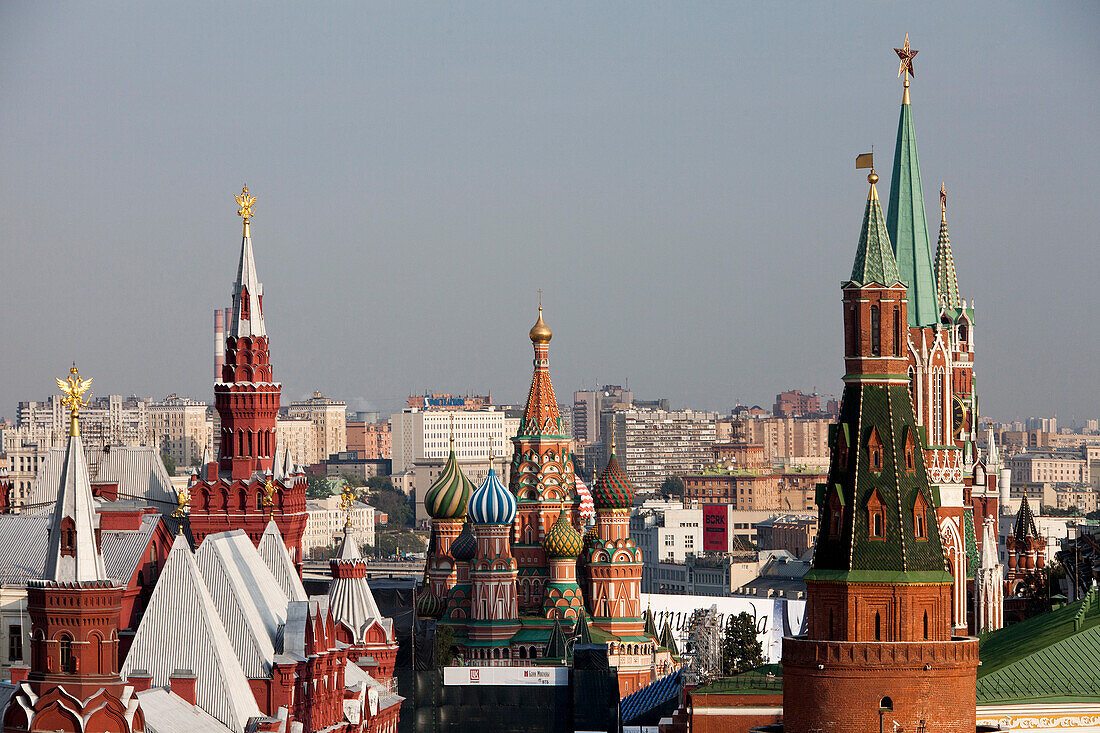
{"points": [[540, 332]]}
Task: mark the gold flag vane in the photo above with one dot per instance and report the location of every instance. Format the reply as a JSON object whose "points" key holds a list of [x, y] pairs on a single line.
{"points": [[246, 202], [347, 501], [74, 389], [268, 498], [183, 507]]}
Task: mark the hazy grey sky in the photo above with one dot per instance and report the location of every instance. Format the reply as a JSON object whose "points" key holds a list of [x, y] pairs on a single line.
{"points": [[678, 178]]}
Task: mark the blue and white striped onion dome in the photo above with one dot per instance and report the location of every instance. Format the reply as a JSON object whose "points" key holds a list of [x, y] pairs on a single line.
{"points": [[492, 503]]}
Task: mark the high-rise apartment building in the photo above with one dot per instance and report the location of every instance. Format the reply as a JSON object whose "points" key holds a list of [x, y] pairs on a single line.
{"points": [[655, 444], [371, 441], [114, 420], [329, 418], [182, 428], [587, 406], [785, 437]]}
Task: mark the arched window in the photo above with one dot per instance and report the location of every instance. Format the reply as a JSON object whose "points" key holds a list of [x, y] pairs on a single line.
{"points": [[920, 517], [897, 331], [66, 646], [874, 450], [876, 517], [926, 625], [878, 626], [68, 536], [835, 512], [963, 333], [842, 447], [937, 407], [910, 451], [886, 704], [876, 332]]}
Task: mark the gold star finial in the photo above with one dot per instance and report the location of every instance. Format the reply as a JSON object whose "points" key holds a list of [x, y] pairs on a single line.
{"points": [[905, 68], [74, 388]]}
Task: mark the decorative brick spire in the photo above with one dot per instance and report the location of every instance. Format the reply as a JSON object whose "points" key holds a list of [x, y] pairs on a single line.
{"points": [[947, 282]]}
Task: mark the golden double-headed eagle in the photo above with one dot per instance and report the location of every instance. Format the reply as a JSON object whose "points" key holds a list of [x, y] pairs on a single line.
{"points": [[74, 389], [246, 201]]}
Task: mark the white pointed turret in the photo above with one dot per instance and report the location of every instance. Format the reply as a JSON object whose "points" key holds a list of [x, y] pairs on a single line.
{"points": [[349, 596], [248, 291], [72, 550]]}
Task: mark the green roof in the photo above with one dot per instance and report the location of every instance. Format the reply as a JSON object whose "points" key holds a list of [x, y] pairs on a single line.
{"points": [[874, 259], [947, 282], [1052, 657], [898, 555], [908, 226]]}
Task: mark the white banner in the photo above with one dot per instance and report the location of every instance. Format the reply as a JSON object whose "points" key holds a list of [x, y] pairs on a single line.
{"points": [[774, 617], [553, 676]]}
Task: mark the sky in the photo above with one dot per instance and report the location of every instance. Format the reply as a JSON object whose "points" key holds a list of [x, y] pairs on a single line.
{"points": [[677, 178]]}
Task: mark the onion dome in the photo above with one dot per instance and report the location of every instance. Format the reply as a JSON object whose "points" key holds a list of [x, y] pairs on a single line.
{"points": [[492, 503], [588, 507], [464, 547], [563, 541], [427, 604], [612, 490], [448, 495], [591, 536], [540, 332]]}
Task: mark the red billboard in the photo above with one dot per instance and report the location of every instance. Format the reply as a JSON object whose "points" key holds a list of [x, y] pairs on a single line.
{"points": [[715, 528]]}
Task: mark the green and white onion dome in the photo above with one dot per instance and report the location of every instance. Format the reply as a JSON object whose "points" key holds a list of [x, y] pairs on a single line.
{"points": [[449, 494]]}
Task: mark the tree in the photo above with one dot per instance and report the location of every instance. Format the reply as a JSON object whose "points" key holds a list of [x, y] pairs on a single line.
{"points": [[444, 644], [741, 650], [169, 462], [318, 487], [672, 487], [393, 503], [380, 483]]}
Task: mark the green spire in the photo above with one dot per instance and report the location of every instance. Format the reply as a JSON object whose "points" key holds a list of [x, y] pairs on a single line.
{"points": [[556, 648], [947, 283], [874, 259], [650, 627], [668, 641], [908, 225], [581, 631]]}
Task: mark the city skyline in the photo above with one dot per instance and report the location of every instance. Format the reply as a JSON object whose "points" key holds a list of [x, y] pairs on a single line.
{"points": [[425, 278]]}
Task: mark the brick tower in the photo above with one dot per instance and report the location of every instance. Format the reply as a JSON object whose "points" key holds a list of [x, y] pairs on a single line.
{"points": [[542, 474], [73, 683], [254, 479], [445, 503], [879, 649]]}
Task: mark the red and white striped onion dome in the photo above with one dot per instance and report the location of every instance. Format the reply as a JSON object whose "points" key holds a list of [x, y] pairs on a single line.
{"points": [[588, 507]]}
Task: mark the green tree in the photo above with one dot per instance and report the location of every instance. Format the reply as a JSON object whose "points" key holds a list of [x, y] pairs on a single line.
{"points": [[673, 487], [395, 504], [318, 487], [741, 650], [380, 483], [169, 462], [444, 644]]}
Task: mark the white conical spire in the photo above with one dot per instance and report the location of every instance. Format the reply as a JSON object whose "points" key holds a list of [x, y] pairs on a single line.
{"points": [[248, 291], [994, 454], [72, 550], [349, 595]]}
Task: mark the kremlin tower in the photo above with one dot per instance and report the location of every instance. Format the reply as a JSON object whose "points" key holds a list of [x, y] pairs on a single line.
{"points": [[879, 648], [73, 683], [254, 480], [938, 346]]}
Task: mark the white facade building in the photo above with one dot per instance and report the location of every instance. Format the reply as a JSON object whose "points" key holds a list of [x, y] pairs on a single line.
{"points": [[325, 523]]}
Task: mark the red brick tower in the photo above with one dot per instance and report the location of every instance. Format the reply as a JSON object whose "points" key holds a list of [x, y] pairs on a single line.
{"points": [[254, 479], [542, 474], [879, 649], [73, 683]]}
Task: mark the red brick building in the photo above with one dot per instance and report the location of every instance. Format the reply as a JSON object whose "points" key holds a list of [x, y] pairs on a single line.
{"points": [[371, 441], [253, 480]]}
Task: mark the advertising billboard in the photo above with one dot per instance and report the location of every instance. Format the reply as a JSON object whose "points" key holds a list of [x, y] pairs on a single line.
{"points": [[715, 528], [553, 676]]}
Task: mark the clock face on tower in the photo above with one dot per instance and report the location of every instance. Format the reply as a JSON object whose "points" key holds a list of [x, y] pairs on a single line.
{"points": [[958, 417]]}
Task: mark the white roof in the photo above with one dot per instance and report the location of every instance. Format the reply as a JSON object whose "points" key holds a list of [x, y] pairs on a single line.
{"points": [[273, 550], [74, 512], [138, 471], [181, 629], [166, 712], [350, 599], [249, 600]]}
